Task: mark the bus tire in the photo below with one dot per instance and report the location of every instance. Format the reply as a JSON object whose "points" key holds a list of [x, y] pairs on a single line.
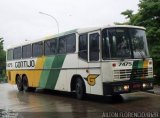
{"points": [[80, 90], [26, 86], [19, 83], [25, 83]]}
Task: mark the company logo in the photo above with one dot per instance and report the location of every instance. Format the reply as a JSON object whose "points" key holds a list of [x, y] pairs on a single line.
{"points": [[91, 79], [125, 64], [25, 64]]}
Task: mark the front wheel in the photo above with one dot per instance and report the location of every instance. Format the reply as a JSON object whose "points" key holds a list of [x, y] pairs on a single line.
{"points": [[80, 90]]}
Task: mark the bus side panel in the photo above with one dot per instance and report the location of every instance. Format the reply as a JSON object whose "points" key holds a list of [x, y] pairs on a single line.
{"points": [[84, 74], [68, 69], [51, 73], [11, 76], [32, 76], [107, 73], [61, 83], [95, 82], [70, 74], [94, 78], [39, 68], [82, 67]]}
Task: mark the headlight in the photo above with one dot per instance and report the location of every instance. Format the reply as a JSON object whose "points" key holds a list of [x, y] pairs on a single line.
{"points": [[144, 85], [122, 88], [126, 87], [147, 85]]}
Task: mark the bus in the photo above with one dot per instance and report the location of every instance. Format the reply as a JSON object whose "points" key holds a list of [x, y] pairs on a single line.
{"points": [[109, 60]]}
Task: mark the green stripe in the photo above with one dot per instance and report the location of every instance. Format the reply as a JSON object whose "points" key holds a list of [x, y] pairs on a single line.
{"points": [[138, 64], [135, 64], [50, 76]]}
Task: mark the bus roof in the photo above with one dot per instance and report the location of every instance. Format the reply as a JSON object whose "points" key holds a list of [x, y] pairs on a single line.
{"points": [[79, 31]]}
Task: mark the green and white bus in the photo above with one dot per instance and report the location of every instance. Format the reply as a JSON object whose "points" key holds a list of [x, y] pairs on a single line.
{"points": [[109, 60]]}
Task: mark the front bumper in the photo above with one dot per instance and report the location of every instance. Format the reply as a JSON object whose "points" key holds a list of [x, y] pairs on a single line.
{"points": [[129, 86]]}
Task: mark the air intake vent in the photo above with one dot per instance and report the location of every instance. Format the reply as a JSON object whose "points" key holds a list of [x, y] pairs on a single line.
{"points": [[134, 73]]}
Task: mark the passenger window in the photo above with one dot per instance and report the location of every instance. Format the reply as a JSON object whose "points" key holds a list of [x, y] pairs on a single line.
{"points": [[10, 54], [83, 46], [26, 51], [62, 45], [94, 47], [37, 49], [50, 47], [71, 43], [17, 53]]}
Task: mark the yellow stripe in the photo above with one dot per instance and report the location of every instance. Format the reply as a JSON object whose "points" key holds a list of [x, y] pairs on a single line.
{"points": [[145, 64], [38, 70], [32, 75]]}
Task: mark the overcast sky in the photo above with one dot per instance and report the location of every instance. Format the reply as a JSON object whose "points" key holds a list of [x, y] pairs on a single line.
{"points": [[20, 19]]}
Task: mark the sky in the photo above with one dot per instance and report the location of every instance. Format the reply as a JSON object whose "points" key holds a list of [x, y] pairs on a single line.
{"points": [[21, 21]]}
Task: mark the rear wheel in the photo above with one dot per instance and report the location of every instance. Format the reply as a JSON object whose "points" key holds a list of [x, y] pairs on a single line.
{"points": [[26, 85], [19, 83], [80, 90]]}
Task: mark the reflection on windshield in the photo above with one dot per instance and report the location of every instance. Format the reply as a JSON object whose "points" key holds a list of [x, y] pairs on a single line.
{"points": [[124, 43], [117, 41], [139, 43]]}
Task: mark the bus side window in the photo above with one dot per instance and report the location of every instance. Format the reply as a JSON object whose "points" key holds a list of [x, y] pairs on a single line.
{"points": [[62, 45], [50, 47], [17, 53], [10, 54], [94, 47], [26, 51], [37, 49], [83, 46], [71, 43]]}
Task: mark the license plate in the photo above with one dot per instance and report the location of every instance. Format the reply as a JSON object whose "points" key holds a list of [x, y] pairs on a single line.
{"points": [[136, 86]]}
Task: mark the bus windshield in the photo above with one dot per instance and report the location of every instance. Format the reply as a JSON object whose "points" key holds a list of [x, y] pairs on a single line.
{"points": [[124, 43]]}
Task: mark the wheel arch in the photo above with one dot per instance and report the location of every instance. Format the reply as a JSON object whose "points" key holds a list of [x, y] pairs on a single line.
{"points": [[74, 80], [21, 76], [24, 75]]}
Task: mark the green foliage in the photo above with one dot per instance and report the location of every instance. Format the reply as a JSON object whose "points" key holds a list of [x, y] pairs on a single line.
{"points": [[128, 13], [148, 16], [2, 58]]}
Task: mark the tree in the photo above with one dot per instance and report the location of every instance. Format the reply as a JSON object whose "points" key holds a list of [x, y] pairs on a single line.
{"points": [[2, 57], [128, 13], [148, 16]]}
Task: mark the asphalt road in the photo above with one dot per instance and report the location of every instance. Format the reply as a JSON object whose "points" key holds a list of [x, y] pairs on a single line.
{"points": [[44, 103]]}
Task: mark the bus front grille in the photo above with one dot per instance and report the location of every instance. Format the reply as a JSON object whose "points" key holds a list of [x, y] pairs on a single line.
{"points": [[133, 73]]}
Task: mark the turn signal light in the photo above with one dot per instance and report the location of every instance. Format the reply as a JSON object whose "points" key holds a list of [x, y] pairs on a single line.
{"points": [[114, 65], [150, 62]]}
